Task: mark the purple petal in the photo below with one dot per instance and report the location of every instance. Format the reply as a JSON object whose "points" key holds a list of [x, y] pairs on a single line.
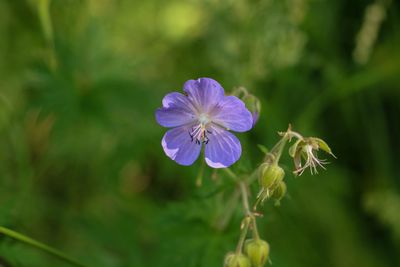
{"points": [[179, 100], [205, 93], [173, 117], [179, 147], [223, 148], [255, 116], [233, 115], [177, 110]]}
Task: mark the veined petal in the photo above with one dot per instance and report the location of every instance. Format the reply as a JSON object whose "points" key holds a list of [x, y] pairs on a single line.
{"points": [[177, 100], [232, 114], [178, 146], [222, 149], [177, 110], [173, 117], [204, 93]]}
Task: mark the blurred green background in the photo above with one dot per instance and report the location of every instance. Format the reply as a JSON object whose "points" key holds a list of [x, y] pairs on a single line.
{"points": [[81, 165]]}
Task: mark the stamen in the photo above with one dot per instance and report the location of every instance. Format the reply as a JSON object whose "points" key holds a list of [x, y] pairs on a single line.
{"points": [[199, 134], [312, 162]]}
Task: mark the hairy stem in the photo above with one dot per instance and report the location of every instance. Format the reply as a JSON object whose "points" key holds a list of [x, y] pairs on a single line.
{"points": [[275, 154], [245, 201], [243, 234], [230, 207], [246, 207]]}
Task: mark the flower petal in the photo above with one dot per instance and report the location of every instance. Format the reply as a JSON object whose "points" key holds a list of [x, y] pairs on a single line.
{"points": [[223, 148], [255, 116], [232, 114], [173, 117], [177, 100], [205, 93], [177, 110], [179, 147]]}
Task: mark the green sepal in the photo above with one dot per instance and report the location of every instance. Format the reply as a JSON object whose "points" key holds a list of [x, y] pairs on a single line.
{"points": [[263, 149], [293, 148], [236, 260], [324, 146], [257, 251]]}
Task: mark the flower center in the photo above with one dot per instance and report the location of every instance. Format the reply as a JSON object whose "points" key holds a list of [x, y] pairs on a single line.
{"points": [[203, 119], [199, 132]]}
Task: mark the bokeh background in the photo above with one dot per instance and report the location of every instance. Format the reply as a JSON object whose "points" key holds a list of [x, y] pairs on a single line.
{"points": [[81, 165]]}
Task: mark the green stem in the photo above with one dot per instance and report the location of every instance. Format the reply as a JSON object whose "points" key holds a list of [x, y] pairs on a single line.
{"points": [[242, 236], [29, 241], [245, 200], [230, 206], [256, 235], [246, 207], [275, 154], [199, 178]]}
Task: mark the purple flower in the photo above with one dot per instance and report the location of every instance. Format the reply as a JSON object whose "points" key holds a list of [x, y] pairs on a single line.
{"points": [[255, 116], [203, 115]]}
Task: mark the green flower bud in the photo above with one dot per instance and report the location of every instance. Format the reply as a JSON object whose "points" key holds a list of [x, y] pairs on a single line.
{"points": [[279, 192], [236, 260], [257, 251], [270, 175]]}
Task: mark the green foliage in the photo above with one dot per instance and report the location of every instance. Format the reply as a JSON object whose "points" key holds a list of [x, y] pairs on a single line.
{"points": [[82, 168]]}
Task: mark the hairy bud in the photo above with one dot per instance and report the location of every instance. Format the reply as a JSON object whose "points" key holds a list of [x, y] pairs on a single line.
{"points": [[257, 251], [270, 175], [279, 192], [236, 260]]}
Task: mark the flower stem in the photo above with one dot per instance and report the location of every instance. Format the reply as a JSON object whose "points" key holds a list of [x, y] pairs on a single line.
{"points": [[230, 206], [243, 235], [199, 178], [29, 241], [275, 154], [245, 201], [246, 207]]}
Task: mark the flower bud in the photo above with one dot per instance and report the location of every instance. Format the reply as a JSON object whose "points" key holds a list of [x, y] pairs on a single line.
{"points": [[257, 251], [236, 260], [270, 175], [279, 192]]}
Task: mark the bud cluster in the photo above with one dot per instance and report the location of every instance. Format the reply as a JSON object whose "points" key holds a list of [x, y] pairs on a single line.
{"points": [[256, 252], [271, 181]]}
